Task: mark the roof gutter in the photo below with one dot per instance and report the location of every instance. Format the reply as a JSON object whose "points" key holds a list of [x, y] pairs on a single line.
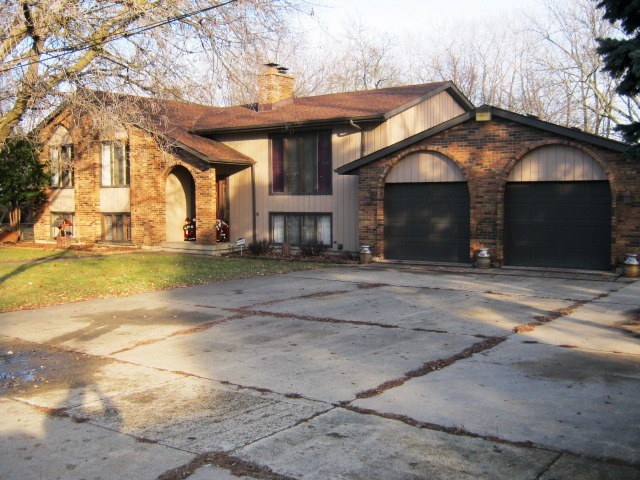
{"points": [[289, 126]]}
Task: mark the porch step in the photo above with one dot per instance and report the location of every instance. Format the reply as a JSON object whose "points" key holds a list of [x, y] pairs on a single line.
{"points": [[191, 247]]}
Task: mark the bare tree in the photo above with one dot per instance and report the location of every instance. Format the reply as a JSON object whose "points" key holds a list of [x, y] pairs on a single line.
{"points": [[573, 65], [49, 48], [545, 64]]}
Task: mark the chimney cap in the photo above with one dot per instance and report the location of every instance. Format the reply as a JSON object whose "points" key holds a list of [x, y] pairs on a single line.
{"points": [[282, 70], [272, 65]]}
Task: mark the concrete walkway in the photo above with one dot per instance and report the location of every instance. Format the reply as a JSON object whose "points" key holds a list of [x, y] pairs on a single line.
{"points": [[372, 372]]}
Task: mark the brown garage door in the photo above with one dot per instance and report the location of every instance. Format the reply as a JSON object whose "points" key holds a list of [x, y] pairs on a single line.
{"points": [[558, 224], [427, 222]]}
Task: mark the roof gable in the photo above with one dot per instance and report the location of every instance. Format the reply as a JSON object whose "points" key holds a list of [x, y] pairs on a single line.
{"points": [[352, 167]]}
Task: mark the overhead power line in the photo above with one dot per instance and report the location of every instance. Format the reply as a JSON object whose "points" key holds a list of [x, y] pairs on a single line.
{"points": [[126, 34]]}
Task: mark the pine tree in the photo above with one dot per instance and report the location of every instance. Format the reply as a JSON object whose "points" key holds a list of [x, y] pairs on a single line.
{"points": [[22, 178], [622, 57]]}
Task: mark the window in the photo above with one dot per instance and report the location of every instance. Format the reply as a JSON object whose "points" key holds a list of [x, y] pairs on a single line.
{"points": [[116, 227], [61, 161], [301, 163], [301, 228], [115, 164], [62, 224]]}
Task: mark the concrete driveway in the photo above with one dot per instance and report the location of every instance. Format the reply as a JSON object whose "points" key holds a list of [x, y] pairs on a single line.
{"points": [[372, 372]]}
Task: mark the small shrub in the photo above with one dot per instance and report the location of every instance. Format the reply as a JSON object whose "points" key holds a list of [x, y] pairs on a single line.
{"points": [[313, 249], [261, 247]]}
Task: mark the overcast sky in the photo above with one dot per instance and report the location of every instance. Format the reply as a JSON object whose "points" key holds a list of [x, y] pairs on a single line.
{"points": [[398, 15]]}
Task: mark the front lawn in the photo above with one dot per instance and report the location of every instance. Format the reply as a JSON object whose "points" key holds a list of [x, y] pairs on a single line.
{"points": [[32, 278]]}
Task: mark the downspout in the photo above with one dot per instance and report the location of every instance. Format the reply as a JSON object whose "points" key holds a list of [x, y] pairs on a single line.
{"points": [[358, 127], [253, 202]]}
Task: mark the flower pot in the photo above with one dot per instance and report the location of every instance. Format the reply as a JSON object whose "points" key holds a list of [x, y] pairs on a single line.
{"points": [[483, 259], [365, 254], [631, 265]]}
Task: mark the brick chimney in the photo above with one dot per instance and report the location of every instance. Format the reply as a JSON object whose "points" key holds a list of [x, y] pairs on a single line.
{"points": [[274, 85]]}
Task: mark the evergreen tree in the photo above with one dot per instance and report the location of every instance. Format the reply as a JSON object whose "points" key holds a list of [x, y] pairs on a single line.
{"points": [[622, 57], [22, 178]]}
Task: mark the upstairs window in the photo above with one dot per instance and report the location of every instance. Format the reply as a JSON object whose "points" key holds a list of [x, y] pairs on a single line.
{"points": [[115, 164], [301, 163], [61, 158], [61, 164]]}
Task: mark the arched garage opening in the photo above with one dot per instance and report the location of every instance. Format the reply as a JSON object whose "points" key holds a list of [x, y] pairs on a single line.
{"points": [[180, 202], [558, 211], [426, 210]]}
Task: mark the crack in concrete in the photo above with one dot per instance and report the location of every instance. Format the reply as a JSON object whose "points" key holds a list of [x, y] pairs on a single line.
{"points": [[309, 318], [554, 315], [491, 438], [458, 431], [548, 466], [299, 297], [188, 331], [237, 466], [432, 366]]}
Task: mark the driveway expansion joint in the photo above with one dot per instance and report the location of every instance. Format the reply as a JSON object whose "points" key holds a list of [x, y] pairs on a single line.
{"points": [[237, 466], [432, 366]]}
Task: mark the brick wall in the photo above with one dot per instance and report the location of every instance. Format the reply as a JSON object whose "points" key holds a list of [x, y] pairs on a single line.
{"points": [[149, 167], [486, 152]]}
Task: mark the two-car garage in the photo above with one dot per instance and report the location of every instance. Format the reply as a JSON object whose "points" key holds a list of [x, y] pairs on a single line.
{"points": [[557, 211]]}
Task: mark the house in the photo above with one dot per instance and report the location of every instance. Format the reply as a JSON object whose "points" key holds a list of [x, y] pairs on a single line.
{"points": [[416, 172]]}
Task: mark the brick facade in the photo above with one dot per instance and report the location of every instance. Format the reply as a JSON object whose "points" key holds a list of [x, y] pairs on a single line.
{"points": [[150, 165], [486, 152]]}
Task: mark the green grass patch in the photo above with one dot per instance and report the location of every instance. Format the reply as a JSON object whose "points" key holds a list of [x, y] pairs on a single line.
{"points": [[51, 279], [22, 254]]}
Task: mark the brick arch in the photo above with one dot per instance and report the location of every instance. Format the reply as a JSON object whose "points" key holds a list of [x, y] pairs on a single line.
{"points": [[373, 232]]}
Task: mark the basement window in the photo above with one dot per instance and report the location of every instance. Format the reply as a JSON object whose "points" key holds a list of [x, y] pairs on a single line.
{"points": [[301, 228], [116, 227]]}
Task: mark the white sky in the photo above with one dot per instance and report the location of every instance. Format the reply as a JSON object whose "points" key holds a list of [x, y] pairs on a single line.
{"points": [[396, 16]]}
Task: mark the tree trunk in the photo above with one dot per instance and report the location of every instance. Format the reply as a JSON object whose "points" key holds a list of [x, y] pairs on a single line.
{"points": [[14, 218]]}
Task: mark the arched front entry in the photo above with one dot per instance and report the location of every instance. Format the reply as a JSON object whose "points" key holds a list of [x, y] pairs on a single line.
{"points": [[426, 210], [558, 211], [180, 202]]}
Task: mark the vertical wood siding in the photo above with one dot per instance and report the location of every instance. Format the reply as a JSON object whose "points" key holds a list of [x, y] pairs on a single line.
{"points": [[425, 167], [115, 200], [62, 200], [423, 116], [556, 163], [342, 204]]}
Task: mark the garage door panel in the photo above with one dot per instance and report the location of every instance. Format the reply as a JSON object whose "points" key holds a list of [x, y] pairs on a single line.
{"points": [[558, 224], [437, 221]]}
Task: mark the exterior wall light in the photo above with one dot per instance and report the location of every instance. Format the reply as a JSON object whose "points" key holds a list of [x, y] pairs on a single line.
{"points": [[483, 113]]}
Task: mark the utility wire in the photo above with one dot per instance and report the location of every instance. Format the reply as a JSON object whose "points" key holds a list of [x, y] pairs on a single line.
{"points": [[136, 31]]}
